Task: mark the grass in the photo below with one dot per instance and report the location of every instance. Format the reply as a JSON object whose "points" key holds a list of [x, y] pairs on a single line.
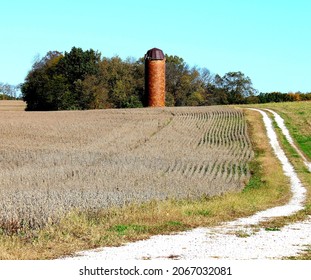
{"points": [[112, 227]]}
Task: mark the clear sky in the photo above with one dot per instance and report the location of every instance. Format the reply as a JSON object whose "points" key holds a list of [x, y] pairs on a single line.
{"points": [[268, 40]]}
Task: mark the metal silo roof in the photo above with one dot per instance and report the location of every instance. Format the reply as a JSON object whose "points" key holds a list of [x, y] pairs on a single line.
{"points": [[154, 54]]}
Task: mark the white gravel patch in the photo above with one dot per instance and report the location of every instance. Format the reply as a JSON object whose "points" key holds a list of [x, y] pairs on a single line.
{"points": [[234, 240]]}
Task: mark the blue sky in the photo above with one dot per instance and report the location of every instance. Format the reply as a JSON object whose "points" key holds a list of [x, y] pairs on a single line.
{"points": [[269, 41]]}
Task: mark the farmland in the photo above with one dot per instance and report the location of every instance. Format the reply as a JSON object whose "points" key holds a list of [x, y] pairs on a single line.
{"points": [[12, 105], [54, 162]]}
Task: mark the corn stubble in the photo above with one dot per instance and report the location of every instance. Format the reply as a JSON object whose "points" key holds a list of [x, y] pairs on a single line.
{"points": [[54, 162]]}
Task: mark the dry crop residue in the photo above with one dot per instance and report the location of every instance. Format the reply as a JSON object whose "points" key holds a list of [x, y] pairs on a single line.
{"points": [[52, 162], [234, 240]]}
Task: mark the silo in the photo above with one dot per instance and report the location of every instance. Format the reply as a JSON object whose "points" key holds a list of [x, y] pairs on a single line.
{"points": [[155, 77]]}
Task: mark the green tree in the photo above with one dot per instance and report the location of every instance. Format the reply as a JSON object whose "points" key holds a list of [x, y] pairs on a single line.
{"points": [[61, 82], [76, 66], [184, 86], [215, 95], [236, 85], [83, 80], [124, 81], [40, 88], [94, 92], [175, 70], [8, 91]]}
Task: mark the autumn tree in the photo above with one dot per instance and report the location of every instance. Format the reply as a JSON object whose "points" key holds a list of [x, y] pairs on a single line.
{"points": [[123, 81], [236, 85], [184, 85], [76, 66], [8, 91], [55, 82], [44, 86], [83, 80]]}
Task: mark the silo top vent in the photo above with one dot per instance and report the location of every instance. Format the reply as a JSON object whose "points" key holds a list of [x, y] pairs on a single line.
{"points": [[154, 54]]}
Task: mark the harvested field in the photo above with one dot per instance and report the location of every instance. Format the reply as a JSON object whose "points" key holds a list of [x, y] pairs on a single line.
{"points": [[12, 105], [53, 162]]}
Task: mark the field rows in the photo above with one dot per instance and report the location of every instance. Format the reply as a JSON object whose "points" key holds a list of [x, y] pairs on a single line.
{"points": [[52, 162]]}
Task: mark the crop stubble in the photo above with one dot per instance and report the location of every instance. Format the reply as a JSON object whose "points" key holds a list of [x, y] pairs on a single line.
{"points": [[53, 162]]}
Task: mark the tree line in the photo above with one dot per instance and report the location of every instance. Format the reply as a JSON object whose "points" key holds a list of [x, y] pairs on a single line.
{"points": [[84, 80], [9, 92]]}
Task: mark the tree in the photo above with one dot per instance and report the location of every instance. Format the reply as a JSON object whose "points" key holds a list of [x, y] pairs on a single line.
{"points": [[56, 82], [175, 70], [236, 85], [40, 90], [184, 86], [93, 92], [9, 91], [77, 64], [215, 95], [124, 81], [138, 72], [83, 80]]}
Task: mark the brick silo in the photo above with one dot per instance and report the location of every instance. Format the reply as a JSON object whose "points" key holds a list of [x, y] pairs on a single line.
{"points": [[155, 77]]}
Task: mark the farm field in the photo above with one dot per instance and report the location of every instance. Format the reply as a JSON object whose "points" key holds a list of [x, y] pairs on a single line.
{"points": [[12, 105], [286, 243], [54, 162]]}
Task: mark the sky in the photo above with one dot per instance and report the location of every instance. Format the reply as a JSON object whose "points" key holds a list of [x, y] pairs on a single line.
{"points": [[268, 40]]}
